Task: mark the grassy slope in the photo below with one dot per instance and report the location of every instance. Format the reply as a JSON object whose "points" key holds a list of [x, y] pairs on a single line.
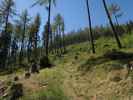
{"points": [[86, 78]]}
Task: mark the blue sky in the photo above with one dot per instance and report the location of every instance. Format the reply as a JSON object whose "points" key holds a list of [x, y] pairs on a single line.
{"points": [[75, 14]]}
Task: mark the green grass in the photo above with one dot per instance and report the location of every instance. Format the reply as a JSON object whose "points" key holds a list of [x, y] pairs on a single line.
{"points": [[84, 77], [53, 92]]}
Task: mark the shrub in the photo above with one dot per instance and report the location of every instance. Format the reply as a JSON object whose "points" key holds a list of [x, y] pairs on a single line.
{"points": [[45, 62], [16, 78], [27, 75], [16, 91], [34, 68], [76, 57]]}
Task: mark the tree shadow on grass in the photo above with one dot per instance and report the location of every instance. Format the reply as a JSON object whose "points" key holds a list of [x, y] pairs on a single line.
{"points": [[91, 63], [121, 57]]}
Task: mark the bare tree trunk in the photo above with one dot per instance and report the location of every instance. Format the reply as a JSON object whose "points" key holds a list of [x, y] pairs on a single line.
{"points": [[112, 26], [91, 34]]}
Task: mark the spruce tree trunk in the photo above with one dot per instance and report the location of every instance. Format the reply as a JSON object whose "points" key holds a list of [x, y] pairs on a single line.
{"points": [[55, 42], [47, 34], [7, 39], [60, 40], [63, 42], [29, 49], [36, 46], [21, 50], [22, 42]]}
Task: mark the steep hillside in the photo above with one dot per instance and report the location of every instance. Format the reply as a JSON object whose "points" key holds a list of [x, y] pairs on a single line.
{"points": [[81, 75]]}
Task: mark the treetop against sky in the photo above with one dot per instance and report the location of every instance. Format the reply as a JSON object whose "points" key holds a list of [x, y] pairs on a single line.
{"points": [[75, 14]]}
